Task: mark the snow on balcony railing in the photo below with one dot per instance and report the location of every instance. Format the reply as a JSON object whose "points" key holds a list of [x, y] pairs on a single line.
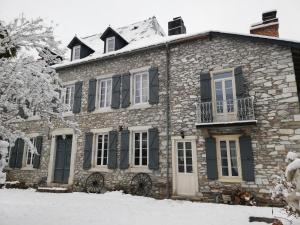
{"points": [[232, 110]]}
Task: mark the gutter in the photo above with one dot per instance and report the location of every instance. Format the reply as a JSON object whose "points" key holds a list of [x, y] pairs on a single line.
{"points": [[168, 119]]}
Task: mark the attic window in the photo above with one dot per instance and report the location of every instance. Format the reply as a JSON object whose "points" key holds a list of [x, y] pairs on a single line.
{"points": [[110, 44], [76, 52]]}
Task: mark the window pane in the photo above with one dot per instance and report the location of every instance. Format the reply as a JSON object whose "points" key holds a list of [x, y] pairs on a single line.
{"points": [[102, 93], [137, 148], [233, 158], [181, 168], [188, 145], [229, 95], [108, 93], [179, 145], [189, 168], [222, 75], [137, 88], [145, 87], [99, 150], [224, 160], [219, 96]]}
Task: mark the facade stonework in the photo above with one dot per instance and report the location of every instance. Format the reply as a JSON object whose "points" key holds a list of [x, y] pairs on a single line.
{"points": [[269, 78]]}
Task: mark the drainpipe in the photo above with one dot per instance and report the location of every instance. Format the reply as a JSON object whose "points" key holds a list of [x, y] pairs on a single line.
{"points": [[168, 116]]}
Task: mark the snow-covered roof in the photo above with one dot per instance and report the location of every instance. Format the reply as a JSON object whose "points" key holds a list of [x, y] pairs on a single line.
{"points": [[159, 40], [93, 42]]}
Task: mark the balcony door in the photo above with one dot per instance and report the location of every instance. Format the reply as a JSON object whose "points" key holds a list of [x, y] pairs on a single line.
{"points": [[224, 97]]}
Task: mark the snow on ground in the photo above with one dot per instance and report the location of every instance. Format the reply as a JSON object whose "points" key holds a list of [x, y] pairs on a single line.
{"points": [[28, 207]]}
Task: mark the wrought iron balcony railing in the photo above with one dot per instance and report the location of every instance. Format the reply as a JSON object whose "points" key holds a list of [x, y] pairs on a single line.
{"points": [[228, 111]]}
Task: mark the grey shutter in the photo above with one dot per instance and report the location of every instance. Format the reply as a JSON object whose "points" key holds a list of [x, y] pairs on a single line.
{"points": [[116, 84], [206, 93], [153, 86], [13, 156], [87, 158], [247, 158], [20, 149], [112, 149], [153, 149], [125, 90], [211, 159], [239, 82], [39, 146], [21, 113], [124, 153], [77, 97], [92, 95]]}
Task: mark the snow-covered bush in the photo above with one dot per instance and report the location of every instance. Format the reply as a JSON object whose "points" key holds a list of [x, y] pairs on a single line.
{"points": [[28, 85]]}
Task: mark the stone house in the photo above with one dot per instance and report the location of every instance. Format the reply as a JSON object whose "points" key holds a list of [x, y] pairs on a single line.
{"points": [[199, 113]]}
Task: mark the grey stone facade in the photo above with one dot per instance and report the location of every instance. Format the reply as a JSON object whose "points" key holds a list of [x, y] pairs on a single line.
{"points": [[270, 79]]}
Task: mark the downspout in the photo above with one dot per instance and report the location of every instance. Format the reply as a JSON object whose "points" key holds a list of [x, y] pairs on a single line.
{"points": [[168, 120]]}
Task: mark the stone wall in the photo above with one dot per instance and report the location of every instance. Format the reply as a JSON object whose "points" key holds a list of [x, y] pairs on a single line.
{"points": [[269, 73]]}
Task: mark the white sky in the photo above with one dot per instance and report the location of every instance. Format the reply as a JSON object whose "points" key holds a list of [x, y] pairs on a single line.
{"points": [[87, 17]]}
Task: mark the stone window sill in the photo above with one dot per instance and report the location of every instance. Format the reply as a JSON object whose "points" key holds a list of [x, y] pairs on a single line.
{"points": [[230, 180], [138, 169], [28, 168], [100, 169], [67, 114], [102, 110]]}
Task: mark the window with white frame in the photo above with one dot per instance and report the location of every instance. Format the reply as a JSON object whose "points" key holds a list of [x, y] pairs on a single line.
{"points": [[141, 87], [101, 149], [184, 157], [110, 44], [29, 155], [76, 52], [104, 93], [229, 164], [140, 148], [68, 96]]}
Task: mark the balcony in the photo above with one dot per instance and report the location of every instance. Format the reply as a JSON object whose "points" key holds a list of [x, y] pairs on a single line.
{"points": [[232, 111]]}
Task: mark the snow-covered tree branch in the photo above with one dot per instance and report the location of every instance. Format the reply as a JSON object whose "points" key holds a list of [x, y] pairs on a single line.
{"points": [[28, 85]]}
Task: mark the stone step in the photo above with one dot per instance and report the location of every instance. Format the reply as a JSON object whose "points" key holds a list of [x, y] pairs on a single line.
{"points": [[54, 189]]}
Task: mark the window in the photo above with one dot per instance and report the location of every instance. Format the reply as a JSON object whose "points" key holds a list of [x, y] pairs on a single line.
{"points": [[141, 87], [104, 93], [228, 157], [76, 52], [184, 157], [110, 44], [29, 156], [68, 96], [140, 148], [101, 149], [224, 92]]}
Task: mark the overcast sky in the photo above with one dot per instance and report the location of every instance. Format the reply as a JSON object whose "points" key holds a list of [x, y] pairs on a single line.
{"points": [[86, 17]]}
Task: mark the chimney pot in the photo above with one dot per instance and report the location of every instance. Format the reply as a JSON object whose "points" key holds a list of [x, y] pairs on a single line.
{"points": [[268, 26]]}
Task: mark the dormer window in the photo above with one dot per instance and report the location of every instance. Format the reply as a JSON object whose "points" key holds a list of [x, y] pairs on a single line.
{"points": [[110, 44], [76, 52]]}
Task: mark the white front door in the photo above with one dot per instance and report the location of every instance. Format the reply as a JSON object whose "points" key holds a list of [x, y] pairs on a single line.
{"points": [[185, 167]]}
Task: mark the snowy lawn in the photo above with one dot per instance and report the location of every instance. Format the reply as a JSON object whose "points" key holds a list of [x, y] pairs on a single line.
{"points": [[28, 207]]}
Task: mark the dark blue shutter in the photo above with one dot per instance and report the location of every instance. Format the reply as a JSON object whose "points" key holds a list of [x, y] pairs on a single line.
{"points": [[21, 113], [247, 160], [20, 149], [77, 97], [13, 156], [206, 93], [125, 90], [153, 149], [153, 86], [92, 95], [124, 153], [87, 158], [239, 82], [112, 149], [116, 85], [211, 158], [39, 146]]}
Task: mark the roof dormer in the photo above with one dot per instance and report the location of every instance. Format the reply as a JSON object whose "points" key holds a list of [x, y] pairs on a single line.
{"points": [[79, 49], [112, 40]]}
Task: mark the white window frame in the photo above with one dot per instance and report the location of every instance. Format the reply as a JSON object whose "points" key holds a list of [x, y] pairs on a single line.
{"points": [[133, 148], [134, 77], [228, 138], [64, 95], [99, 81], [28, 151], [76, 47], [113, 47], [184, 141], [96, 136]]}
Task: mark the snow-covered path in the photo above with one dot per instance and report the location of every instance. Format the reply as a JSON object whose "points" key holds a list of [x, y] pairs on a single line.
{"points": [[27, 207]]}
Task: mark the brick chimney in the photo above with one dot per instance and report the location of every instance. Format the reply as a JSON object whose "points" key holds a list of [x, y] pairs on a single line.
{"points": [[269, 25], [176, 26]]}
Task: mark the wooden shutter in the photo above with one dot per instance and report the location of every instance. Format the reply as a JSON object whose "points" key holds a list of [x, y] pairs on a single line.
{"points": [[205, 87], [39, 146], [116, 84], [153, 149], [92, 95], [87, 158], [125, 90], [124, 153], [247, 160], [153, 86], [13, 156], [20, 149], [239, 82], [112, 149], [211, 159], [77, 97]]}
